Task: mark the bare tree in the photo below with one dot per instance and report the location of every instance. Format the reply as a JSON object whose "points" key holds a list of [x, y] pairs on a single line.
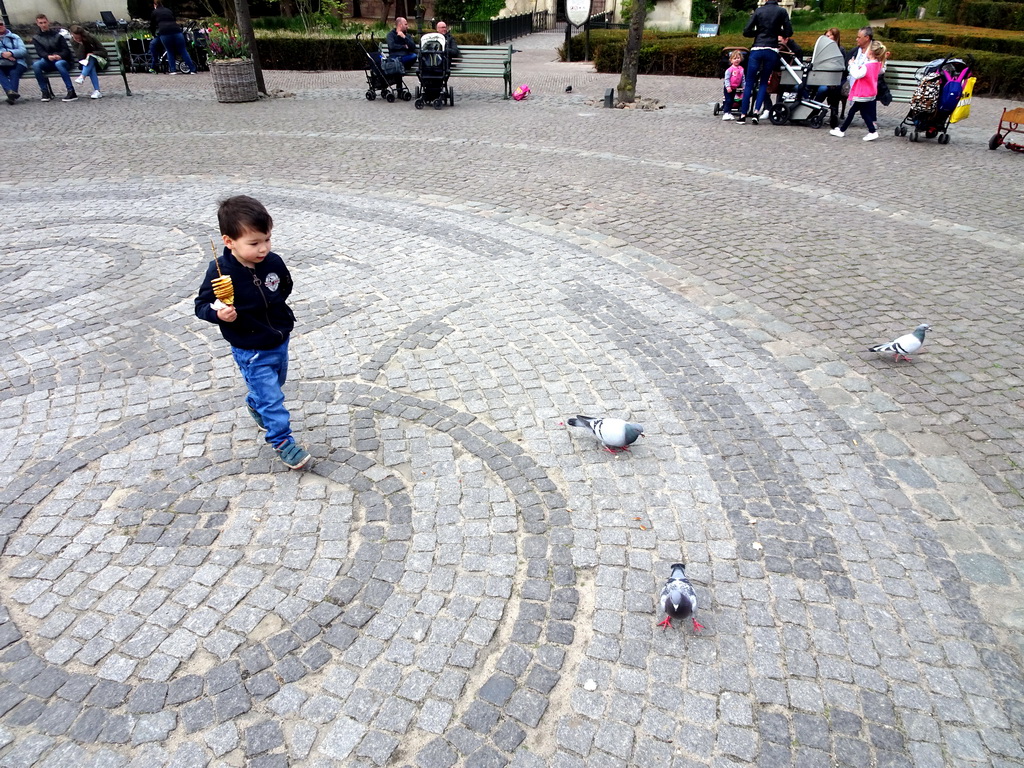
{"points": [[631, 56], [244, 21]]}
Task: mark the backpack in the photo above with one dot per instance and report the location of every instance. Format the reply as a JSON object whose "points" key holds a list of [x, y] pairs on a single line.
{"points": [[521, 92]]}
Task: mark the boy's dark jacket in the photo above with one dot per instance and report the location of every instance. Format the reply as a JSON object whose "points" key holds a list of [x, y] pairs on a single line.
{"points": [[49, 42], [264, 319]]}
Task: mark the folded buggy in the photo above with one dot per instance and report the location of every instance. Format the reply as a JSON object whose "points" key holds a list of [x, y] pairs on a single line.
{"points": [[383, 75], [799, 83], [433, 67], [940, 88]]}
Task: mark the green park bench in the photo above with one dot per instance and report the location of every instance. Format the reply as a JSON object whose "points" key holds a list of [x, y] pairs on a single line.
{"points": [[901, 77], [476, 61], [115, 66]]}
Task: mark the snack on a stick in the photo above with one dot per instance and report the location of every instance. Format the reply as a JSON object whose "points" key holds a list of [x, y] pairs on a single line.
{"points": [[222, 287]]}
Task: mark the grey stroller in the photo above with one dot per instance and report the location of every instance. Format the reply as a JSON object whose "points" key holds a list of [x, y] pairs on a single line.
{"points": [[799, 84]]}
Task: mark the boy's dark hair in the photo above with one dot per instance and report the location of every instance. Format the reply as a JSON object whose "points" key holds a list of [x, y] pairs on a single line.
{"points": [[241, 212]]}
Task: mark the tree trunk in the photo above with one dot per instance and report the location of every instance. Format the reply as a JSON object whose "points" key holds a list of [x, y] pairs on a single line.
{"points": [[385, 11], [631, 56], [244, 21]]}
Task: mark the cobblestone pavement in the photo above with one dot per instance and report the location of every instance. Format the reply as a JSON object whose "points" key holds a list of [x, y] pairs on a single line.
{"points": [[460, 579]]}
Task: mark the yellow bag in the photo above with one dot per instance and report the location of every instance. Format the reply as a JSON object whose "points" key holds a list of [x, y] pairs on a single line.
{"points": [[963, 107]]}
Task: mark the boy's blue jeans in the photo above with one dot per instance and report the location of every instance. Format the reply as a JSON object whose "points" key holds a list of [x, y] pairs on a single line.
{"points": [[45, 65], [265, 371]]}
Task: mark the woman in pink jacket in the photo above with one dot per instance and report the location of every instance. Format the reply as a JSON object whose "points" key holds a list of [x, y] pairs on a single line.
{"points": [[864, 90]]}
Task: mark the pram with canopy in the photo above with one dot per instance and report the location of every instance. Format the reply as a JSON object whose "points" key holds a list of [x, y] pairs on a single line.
{"points": [[433, 66], [799, 84], [383, 75]]}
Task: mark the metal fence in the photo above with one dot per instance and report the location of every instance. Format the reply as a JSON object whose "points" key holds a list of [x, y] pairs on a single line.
{"points": [[496, 31]]}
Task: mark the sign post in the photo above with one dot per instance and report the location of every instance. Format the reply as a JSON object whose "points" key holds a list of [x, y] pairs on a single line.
{"points": [[578, 14]]}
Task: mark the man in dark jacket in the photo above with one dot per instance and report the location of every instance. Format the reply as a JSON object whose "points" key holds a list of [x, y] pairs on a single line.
{"points": [[52, 53], [449, 42], [400, 43], [767, 24]]}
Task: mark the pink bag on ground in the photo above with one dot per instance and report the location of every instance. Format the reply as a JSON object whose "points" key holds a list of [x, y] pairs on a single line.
{"points": [[521, 92]]}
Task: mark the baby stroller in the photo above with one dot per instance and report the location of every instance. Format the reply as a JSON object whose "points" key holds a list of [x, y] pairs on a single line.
{"points": [[384, 75], [798, 80], [433, 68], [940, 87]]}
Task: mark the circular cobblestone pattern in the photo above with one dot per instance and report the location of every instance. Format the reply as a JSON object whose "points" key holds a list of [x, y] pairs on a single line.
{"points": [[461, 579]]}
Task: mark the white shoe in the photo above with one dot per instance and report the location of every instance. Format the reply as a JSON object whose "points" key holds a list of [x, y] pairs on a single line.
{"points": [[728, 116], [80, 79], [96, 95], [172, 73], [840, 134], [871, 137]]}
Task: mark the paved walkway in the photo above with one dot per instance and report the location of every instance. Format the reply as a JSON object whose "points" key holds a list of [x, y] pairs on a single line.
{"points": [[460, 579]]}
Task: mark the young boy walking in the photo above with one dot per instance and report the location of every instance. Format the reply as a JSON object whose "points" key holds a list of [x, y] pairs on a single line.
{"points": [[256, 321]]}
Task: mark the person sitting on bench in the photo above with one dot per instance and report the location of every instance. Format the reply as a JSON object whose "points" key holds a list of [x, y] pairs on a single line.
{"points": [[400, 43]]}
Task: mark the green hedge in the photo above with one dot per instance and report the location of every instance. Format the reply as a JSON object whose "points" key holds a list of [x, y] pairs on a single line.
{"points": [[319, 54], [958, 37], [994, 15], [685, 54]]}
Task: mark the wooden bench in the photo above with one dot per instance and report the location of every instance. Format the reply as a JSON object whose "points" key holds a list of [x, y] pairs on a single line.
{"points": [[476, 61], [114, 64], [901, 77]]}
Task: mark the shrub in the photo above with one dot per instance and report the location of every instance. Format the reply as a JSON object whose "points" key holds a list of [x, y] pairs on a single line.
{"points": [[685, 54], [954, 36], [994, 15]]}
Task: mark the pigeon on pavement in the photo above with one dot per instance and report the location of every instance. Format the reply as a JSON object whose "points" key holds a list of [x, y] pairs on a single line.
{"points": [[678, 599], [904, 346], [616, 434], [568, 88]]}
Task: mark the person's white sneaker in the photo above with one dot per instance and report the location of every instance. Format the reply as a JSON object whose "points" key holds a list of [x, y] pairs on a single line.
{"points": [[96, 95], [172, 73], [837, 132], [728, 116], [871, 137], [80, 79]]}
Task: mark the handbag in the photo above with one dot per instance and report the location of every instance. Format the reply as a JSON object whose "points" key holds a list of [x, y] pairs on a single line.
{"points": [[884, 94], [392, 67]]}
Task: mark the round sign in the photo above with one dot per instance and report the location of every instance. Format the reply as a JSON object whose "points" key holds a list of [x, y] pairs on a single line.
{"points": [[577, 11]]}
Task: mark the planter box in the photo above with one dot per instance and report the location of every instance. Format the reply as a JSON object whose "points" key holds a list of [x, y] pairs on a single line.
{"points": [[234, 80]]}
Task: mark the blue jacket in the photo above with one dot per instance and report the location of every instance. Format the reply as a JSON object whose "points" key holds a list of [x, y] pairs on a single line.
{"points": [[11, 42], [265, 320]]}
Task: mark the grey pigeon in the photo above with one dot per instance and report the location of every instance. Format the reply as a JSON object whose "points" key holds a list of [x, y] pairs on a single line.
{"points": [[616, 434], [904, 346], [568, 89], [678, 599]]}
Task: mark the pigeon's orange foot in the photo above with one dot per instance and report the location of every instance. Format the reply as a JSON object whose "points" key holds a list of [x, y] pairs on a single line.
{"points": [[666, 623], [697, 625]]}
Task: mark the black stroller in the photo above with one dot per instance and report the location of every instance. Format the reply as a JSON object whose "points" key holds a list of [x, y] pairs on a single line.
{"points": [[433, 68], [384, 75]]}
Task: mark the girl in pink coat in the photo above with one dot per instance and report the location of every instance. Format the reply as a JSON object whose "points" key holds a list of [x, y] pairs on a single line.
{"points": [[864, 91]]}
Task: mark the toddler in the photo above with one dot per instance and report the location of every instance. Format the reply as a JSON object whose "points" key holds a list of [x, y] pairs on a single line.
{"points": [[733, 83]]}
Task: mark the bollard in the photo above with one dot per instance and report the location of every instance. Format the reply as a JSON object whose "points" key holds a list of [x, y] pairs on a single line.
{"points": [[609, 98]]}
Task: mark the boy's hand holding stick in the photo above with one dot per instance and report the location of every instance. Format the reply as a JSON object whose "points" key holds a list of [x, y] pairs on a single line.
{"points": [[223, 290]]}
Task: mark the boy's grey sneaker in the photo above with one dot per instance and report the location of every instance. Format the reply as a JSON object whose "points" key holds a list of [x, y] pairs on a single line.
{"points": [[256, 417], [293, 455]]}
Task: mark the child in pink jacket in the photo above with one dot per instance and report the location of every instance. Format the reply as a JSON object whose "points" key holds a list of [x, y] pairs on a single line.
{"points": [[733, 83], [864, 91]]}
